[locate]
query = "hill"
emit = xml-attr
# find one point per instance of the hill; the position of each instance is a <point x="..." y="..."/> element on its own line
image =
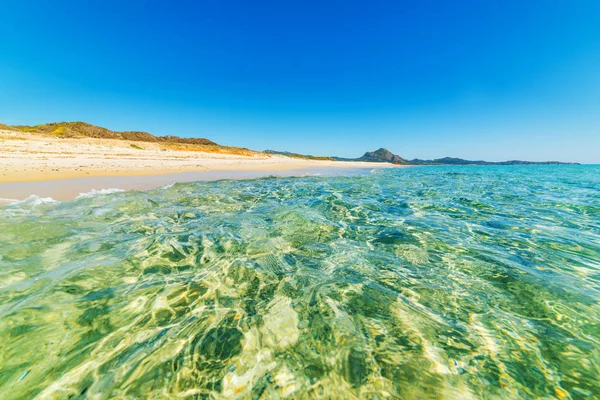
<point x="85" y="130"/>
<point x="382" y="155"/>
<point x="296" y="155"/>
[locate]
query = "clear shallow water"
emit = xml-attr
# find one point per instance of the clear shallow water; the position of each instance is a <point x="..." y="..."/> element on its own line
<point x="465" y="282"/>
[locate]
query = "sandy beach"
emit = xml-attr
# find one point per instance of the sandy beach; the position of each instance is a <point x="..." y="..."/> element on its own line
<point x="63" y="167"/>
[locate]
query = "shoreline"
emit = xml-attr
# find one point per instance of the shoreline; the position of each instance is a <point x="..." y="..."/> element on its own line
<point x="255" y="165"/>
<point x="70" y="188"/>
<point x="62" y="168"/>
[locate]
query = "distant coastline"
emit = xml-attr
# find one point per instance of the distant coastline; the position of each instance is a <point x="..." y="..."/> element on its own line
<point x="385" y="156"/>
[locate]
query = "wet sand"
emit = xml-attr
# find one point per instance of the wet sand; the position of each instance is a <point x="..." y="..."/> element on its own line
<point x="68" y="189"/>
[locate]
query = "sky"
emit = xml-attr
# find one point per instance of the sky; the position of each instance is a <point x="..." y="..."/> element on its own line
<point x="494" y="80"/>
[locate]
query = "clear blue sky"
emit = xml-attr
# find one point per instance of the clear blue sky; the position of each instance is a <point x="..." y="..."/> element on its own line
<point x="474" y="79"/>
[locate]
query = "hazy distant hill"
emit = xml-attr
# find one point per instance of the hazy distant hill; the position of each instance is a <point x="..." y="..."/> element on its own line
<point x="83" y="129"/>
<point x="460" y="161"/>
<point x="296" y="155"/>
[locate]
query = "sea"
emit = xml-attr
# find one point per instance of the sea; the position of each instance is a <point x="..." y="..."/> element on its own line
<point x="475" y="282"/>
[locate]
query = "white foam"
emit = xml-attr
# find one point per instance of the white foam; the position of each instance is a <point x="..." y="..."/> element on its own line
<point x="7" y="201"/>
<point x="34" y="200"/>
<point x="15" y="208"/>
<point x="95" y="192"/>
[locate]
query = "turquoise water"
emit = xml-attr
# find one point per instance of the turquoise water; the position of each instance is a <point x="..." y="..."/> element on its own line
<point x="433" y="282"/>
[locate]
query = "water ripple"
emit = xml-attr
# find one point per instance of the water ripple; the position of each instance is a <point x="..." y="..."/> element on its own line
<point x="474" y="282"/>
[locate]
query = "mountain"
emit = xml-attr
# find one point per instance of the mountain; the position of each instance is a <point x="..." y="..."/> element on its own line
<point x="83" y="129"/>
<point x="383" y="155"/>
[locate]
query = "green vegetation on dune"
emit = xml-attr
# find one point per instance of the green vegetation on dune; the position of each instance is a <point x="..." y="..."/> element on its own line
<point x="83" y="129"/>
<point x="296" y="155"/>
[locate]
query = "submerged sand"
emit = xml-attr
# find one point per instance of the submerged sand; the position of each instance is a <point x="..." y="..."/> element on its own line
<point x="28" y="161"/>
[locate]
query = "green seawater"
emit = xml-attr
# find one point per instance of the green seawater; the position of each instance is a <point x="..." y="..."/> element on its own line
<point x="415" y="283"/>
